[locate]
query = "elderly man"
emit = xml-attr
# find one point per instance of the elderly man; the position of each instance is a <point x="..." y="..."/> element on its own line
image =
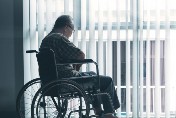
<point x="58" y="41"/>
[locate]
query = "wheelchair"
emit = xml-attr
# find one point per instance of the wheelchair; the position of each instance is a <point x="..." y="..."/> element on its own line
<point x="52" y="97"/>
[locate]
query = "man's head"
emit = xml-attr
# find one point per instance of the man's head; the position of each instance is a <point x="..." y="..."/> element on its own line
<point x="64" y="24"/>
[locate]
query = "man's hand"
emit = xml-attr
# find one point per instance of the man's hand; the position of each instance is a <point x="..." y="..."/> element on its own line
<point x="77" y="66"/>
<point x="81" y="57"/>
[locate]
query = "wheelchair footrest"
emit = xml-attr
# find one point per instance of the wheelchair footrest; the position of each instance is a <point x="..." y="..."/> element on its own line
<point x="105" y="95"/>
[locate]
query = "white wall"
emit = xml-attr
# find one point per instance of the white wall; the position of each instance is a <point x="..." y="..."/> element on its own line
<point x="11" y="55"/>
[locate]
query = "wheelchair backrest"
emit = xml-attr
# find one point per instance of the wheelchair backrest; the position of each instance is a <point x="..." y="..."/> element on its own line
<point x="47" y="65"/>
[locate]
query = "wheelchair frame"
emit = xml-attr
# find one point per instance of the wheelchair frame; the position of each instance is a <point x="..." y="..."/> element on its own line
<point x="47" y="87"/>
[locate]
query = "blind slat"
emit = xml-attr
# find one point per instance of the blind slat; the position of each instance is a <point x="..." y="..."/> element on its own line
<point x="141" y="55"/>
<point x="57" y="9"/>
<point x="26" y="41"/>
<point x="157" y="64"/>
<point x="66" y="6"/>
<point x="83" y="29"/>
<point x="148" y="74"/>
<point x="148" y="78"/>
<point x="109" y="42"/>
<point x="100" y="38"/>
<point x="167" y="61"/>
<point x="33" y="41"/>
<point x="26" y="46"/>
<point x="92" y="43"/>
<point x="49" y="17"/>
<point x="135" y="61"/>
<point x="75" y="17"/>
<point x="118" y="55"/>
<point x="128" y="77"/>
<point x="40" y="21"/>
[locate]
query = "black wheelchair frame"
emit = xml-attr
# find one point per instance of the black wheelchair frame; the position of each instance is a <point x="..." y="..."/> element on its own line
<point x="55" y="97"/>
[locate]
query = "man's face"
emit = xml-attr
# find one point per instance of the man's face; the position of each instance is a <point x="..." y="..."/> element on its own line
<point x="69" y="30"/>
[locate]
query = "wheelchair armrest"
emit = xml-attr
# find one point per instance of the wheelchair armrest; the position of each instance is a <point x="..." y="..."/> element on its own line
<point x="75" y="61"/>
<point x="85" y="61"/>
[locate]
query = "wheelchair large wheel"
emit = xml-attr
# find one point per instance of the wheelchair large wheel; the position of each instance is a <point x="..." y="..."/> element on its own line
<point x="25" y="96"/>
<point x="60" y="99"/>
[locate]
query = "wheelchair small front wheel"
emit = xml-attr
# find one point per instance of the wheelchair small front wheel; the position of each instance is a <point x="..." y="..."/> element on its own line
<point x="60" y="99"/>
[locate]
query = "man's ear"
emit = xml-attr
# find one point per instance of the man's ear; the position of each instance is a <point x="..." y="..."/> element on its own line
<point x="65" y="28"/>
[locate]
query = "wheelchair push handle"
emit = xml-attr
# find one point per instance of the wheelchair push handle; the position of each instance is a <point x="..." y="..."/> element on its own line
<point x="31" y="51"/>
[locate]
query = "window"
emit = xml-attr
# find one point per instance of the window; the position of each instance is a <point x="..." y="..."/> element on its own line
<point x="132" y="40"/>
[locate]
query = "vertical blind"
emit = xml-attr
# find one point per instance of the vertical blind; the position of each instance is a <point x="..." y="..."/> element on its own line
<point x="133" y="41"/>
